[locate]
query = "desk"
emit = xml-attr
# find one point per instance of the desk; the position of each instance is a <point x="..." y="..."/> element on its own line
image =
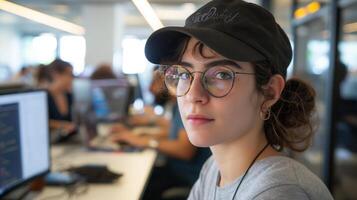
<point x="136" y="168"/>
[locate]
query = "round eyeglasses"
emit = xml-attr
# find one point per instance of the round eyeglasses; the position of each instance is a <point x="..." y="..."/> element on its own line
<point x="218" y="81"/>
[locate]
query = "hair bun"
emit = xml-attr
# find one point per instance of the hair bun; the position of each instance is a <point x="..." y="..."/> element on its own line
<point x="293" y="115"/>
<point x="298" y="98"/>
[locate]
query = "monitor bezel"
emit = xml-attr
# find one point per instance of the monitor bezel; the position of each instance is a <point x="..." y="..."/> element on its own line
<point x="29" y="179"/>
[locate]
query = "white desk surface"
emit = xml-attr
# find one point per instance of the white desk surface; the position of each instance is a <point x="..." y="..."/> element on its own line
<point x="136" y="168"/>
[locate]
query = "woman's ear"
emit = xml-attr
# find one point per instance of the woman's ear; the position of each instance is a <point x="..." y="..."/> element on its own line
<point x="273" y="90"/>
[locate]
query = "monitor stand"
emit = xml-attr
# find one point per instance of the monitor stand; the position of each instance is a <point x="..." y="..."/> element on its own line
<point x="18" y="194"/>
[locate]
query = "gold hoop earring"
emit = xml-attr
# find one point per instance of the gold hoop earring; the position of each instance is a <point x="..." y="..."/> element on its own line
<point x="265" y="115"/>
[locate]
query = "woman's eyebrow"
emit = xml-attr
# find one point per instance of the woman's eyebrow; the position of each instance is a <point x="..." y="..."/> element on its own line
<point x="185" y="64"/>
<point x="213" y="63"/>
<point x="223" y="62"/>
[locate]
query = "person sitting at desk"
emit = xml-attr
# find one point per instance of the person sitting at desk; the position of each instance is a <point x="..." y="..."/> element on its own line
<point x="184" y="160"/>
<point x="60" y="97"/>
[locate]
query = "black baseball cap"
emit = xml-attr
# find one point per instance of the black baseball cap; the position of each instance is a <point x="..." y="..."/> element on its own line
<point x="235" y="29"/>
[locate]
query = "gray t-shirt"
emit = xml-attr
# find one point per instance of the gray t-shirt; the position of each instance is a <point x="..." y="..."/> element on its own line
<point x="275" y="177"/>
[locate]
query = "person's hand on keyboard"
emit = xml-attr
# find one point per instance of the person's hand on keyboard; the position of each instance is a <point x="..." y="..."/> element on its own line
<point x="119" y="127"/>
<point x="131" y="139"/>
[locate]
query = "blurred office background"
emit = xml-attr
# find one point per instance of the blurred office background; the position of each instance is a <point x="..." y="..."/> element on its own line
<point x="87" y="33"/>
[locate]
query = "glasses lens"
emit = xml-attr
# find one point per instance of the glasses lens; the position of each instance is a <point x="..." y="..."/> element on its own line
<point x="218" y="81"/>
<point x="177" y="80"/>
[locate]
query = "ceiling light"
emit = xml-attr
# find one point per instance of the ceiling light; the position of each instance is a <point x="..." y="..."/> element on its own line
<point x="41" y="18"/>
<point x="313" y="7"/>
<point x="149" y="14"/>
<point x="300" y="13"/>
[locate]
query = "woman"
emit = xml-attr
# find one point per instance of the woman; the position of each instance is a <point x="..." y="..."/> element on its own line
<point x="183" y="160"/>
<point x="227" y="67"/>
<point x="60" y="97"/>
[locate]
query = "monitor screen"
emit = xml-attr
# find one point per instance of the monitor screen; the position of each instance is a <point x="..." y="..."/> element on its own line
<point x="110" y="98"/>
<point x="24" y="138"/>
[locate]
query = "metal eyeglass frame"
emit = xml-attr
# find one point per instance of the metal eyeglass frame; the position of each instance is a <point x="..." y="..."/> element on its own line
<point x="191" y="75"/>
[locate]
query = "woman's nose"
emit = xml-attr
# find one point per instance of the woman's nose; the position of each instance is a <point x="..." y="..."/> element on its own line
<point x="197" y="93"/>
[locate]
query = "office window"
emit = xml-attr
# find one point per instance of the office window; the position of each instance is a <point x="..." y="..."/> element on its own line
<point x="134" y="60"/>
<point x="40" y="49"/>
<point x="317" y="56"/>
<point x="73" y="49"/>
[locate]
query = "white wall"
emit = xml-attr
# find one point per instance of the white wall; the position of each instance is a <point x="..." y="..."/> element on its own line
<point x="10" y="48"/>
<point x="98" y="20"/>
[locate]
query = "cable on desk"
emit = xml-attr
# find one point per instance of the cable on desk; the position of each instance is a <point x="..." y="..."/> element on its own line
<point x="76" y="190"/>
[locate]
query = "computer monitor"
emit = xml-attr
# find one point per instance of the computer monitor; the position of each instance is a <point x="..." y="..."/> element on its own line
<point x="111" y="99"/>
<point x="24" y="138"/>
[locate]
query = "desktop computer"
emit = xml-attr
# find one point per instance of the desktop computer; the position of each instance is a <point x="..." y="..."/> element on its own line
<point x="24" y="138"/>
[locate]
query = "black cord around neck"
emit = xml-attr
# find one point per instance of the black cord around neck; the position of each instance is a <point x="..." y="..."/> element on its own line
<point x="245" y="173"/>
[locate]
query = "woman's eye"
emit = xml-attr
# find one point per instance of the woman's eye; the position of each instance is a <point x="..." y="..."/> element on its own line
<point x="184" y="76"/>
<point x="223" y="75"/>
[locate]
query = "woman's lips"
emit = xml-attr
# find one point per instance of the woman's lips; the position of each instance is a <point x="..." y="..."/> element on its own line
<point x="198" y="119"/>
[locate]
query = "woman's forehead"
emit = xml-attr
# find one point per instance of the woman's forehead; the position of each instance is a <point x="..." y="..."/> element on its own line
<point x="205" y="55"/>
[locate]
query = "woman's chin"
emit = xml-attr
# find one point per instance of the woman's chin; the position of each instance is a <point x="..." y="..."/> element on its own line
<point x="200" y="141"/>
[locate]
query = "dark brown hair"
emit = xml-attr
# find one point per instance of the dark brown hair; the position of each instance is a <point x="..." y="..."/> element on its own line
<point x="290" y="123"/>
<point x="59" y="66"/>
<point x="43" y="74"/>
<point x="103" y="71"/>
<point x="157" y="88"/>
